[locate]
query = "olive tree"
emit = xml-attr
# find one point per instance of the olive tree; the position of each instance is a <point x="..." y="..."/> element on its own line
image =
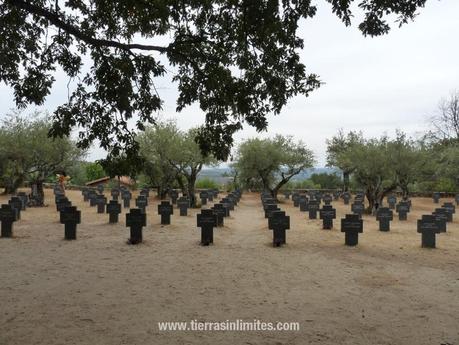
<point x="28" y="154"/>
<point x="273" y="161"/>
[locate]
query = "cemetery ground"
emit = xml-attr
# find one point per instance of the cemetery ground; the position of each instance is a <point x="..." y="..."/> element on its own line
<point x="100" y="290"/>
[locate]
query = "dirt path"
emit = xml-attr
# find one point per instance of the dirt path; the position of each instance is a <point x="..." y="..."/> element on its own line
<point x="99" y="290"/>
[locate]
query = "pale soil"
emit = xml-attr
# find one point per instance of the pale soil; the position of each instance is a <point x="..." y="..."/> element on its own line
<point x="99" y="290"/>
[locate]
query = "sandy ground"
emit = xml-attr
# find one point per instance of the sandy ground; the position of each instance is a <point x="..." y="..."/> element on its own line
<point x="99" y="290"/>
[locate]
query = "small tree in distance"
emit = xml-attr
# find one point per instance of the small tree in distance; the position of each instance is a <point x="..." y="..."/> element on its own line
<point x="272" y="162"/>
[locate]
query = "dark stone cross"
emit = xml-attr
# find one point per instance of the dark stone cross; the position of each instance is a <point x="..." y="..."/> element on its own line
<point x="403" y="208"/>
<point x="207" y="220"/>
<point x="136" y="220"/>
<point x="70" y="217"/>
<point x="220" y="211"/>
<point x="304" y="203"/>
<point x="165" y="209"/>
<point x="85" y="192"/>
<point x="113" y="209"/>
<point x="126" y="196"/>
<point x="115" y="193"/>
<point x="8" y="215"/>
<point x="384" y="215"/>
<point x="141" y="202"/>
<point x="451" y="210"/>
<point x="352" y="225"/>
<point x="100" y="188"/>
<point x="358" y="207"/>
<point x="204" y="196"/>
<point x="145" y="191"/>
<point x="313" y="208"/>
<point x="92" y="196"/>
<point x="269" y="209"/>
<point x="327" y="214"/>
<point x="62" y="203"/>
<point x="183" y="204"/>
<point x="441" y="215"/>
<point x="279" y="223"/>
<point x="428" y="227"/>
<point x="226" y="206"/>
<point x="436" y="197"/>
<point x="24" y="198"/>
<point x="101" y="200"/>
<point x="392" y="201"/>
<point x="229" y="201"/>
<point x="16" y="203"/>
<point x="346" y="198"/>
<point x="296" y="199"/>
<point x="327" y="199"/>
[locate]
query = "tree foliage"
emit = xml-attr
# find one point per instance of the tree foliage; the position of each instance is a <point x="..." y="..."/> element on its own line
<point x="238" y="59"/>
<point x="272" y="162"/>
<point x="337" y="149"/>
<point x="94" y="171"/>
<point x="28" y="154"/>
<point x="173" y="155"/>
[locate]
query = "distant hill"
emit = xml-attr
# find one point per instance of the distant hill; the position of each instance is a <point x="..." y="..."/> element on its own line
<point x="217" y="174"/>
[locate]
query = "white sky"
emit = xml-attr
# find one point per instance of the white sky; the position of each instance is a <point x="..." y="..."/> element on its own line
<point x="375" y="85"/>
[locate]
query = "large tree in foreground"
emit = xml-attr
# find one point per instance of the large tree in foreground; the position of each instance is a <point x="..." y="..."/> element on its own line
<point x="238" y="59"/>
<point x="273" y="162"/>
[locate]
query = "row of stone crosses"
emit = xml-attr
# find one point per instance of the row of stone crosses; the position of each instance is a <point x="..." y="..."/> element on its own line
<point x="136" y="219"/>
<point x="352" y="224"/>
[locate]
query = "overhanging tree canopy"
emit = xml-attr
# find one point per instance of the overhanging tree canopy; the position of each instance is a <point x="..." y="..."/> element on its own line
<point x="238" y="59"/>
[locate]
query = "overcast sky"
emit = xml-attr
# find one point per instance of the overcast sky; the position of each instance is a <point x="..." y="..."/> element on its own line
<point x="375" y="85"/>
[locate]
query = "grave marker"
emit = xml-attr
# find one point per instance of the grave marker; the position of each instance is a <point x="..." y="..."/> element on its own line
<point x="70" y="217"/>
<point x="403" y="208"/>
<point x="384" y="215"/>
<point x="183" y="205"/>
<point x="441" y="217"/>
<point x="207" y="220"/>
<point x="101" y="200"/>
<point x="327" y="214"/>
<point x="16" y="203"/>
<point x="327" y="199"/>
<point x="313" y="208"/>
<point x="165" y="209"/>
<point x="304" y="203"/>
<point x="392" y="201"/>
<point x="352" y="225"/>
<point x="428" y="227"/>
<point x="279" y="223"/>
<point x="358" y="208"/>
<point x="220" y="211"/>
<point x="436" y="197"/>
<point x="141" y="202"/>
<point x="8" y="215"/>
<point x="203" y="195"/>
<point x="136" y="220"/>
<point x="113" y="209"/>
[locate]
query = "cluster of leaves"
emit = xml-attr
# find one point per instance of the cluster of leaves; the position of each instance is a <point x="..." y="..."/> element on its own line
<point x="238" y="59"/>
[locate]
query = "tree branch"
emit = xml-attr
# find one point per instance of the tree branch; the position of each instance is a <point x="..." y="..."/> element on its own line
<point x="56" y="21"/>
